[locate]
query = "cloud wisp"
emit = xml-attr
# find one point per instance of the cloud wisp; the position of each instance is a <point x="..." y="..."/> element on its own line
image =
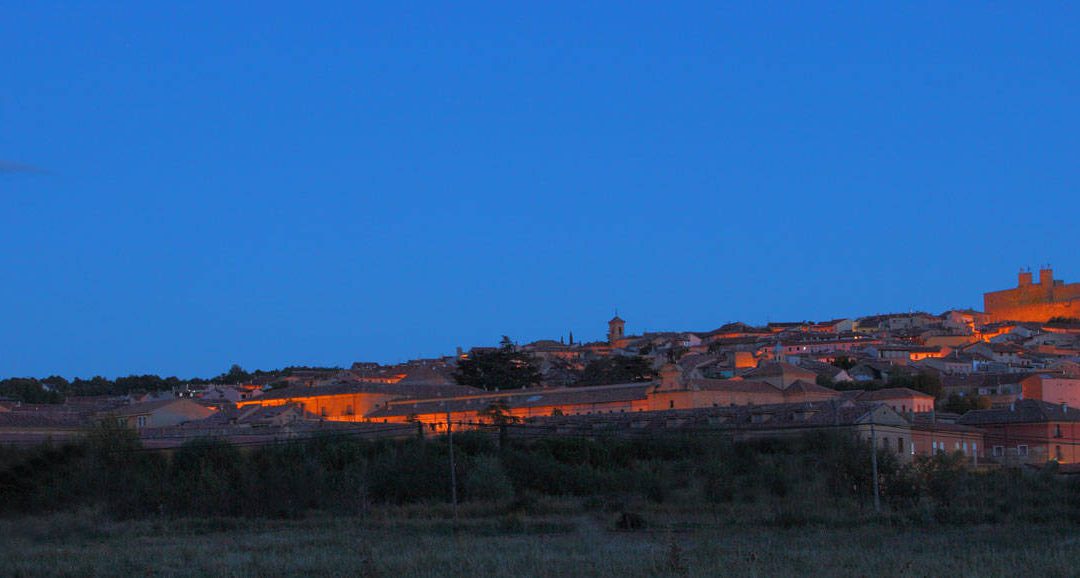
<point x="9" y="167"/>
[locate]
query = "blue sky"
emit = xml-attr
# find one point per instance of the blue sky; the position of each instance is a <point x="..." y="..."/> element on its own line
<point x="183" y="187"/>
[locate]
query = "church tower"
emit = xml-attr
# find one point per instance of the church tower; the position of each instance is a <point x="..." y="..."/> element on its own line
<point x="616" y="329"/>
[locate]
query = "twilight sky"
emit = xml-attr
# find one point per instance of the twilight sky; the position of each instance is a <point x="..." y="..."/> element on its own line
<point x="188" y="186"/>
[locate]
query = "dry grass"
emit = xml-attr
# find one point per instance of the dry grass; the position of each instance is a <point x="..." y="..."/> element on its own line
<point x="423" y="542"/>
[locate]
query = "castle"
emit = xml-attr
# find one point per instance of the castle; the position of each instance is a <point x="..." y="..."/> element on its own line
<point x="1031" y="301"/>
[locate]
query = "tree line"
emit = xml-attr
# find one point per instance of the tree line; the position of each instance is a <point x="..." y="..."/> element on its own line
<point x="818" y="479"/>
<point x="54" y="389"/>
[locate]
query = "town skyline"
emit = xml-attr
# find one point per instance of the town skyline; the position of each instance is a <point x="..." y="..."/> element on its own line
<point x="594" y="332"/>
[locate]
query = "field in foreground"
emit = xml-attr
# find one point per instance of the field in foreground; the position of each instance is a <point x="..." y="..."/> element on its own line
<point x="410" y="543"/>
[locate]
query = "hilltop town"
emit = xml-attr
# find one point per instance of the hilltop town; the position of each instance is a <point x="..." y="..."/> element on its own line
<point x="995" y="386"/>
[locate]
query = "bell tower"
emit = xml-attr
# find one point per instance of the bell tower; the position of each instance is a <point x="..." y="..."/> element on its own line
<point x="616" y="329"/>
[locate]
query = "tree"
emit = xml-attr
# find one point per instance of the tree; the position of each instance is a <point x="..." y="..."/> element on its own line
<point x="28" y="390"/>
<point x="236" y="374"/>
<point x="927" y="383"/>
<point x="503" y="368"/>
<point x="497" y="413"/>
<point x="56" y="383"/>
<point x="963" y="404"/>
<point x="617" y="369"/>
<point x="844" y="362"/>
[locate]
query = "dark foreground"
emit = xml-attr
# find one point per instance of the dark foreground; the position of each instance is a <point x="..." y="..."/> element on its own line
<point x="422" y="542"/>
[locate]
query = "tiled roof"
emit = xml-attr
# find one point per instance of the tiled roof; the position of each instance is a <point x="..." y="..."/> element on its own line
<point x="1023" y="411"/>
<point x="733" y="385"/>
<point x="809" y="387"/>
<point x="533" y="397"/>
<point x="886" y="393"/>
<point x="403" y="390"/>
<point x="982" y="379"/>
<point x="147" y="407"/>
<point x="775" y="368"/>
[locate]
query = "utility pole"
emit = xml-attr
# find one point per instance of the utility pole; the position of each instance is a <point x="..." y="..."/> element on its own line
<point x="873" y="464"/>
<point x="453" y="470"/>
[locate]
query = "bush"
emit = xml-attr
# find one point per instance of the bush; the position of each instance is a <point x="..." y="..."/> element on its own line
<point x="814" y="479"/>
<point x="486" y="480"/>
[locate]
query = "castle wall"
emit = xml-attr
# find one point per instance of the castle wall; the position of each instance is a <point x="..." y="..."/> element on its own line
<point x="1034" y="302"/>
<point x="1039" y="312"/>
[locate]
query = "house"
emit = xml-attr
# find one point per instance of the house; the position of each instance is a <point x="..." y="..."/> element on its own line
<point x="257" y="416"/>
<point x="825" y="370"/>
<point x="876" y="370"/>
<point x="903" y="353"/>
<point x="931" y="436"/>
<point x="231" y="394"/>
<point x="1029" y="431"/>
<point x="901" y="399"/>
<point x="1006" y="353"/>
<point x="1000" y="388"/>
<point x="954" y="363"/>
<point x="163" y="413"/>
<point x="1052" y="388"/>
<point x="834" y="326"/>
<point x="945" y="340"/>
<point x="965" y="319"/>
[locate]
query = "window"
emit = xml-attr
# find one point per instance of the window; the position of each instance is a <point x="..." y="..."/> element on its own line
<point x="899" y="445"/>
<point x="671" y="404"/>
<point x="1058" y="454"/>
<point x="140" y="421"/>
<point x="324" y="412"/>
<point x="1022" y="451"/>
<point x="998" y="451"/>
<point x="348" y="410"/>
<point x="1057" y="430"/>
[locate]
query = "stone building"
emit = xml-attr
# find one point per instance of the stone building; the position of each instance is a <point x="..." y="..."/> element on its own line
<point x="1030" y="301"/>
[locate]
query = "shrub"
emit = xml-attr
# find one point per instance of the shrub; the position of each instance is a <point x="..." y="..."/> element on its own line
<point x="486" y="480"/>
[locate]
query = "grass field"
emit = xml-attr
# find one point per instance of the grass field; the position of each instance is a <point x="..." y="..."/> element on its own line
<point x="564" y="541"/>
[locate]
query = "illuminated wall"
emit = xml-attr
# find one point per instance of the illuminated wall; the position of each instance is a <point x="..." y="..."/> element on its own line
<point x="341" y="407"/>
<point x="1031" y="301"/>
